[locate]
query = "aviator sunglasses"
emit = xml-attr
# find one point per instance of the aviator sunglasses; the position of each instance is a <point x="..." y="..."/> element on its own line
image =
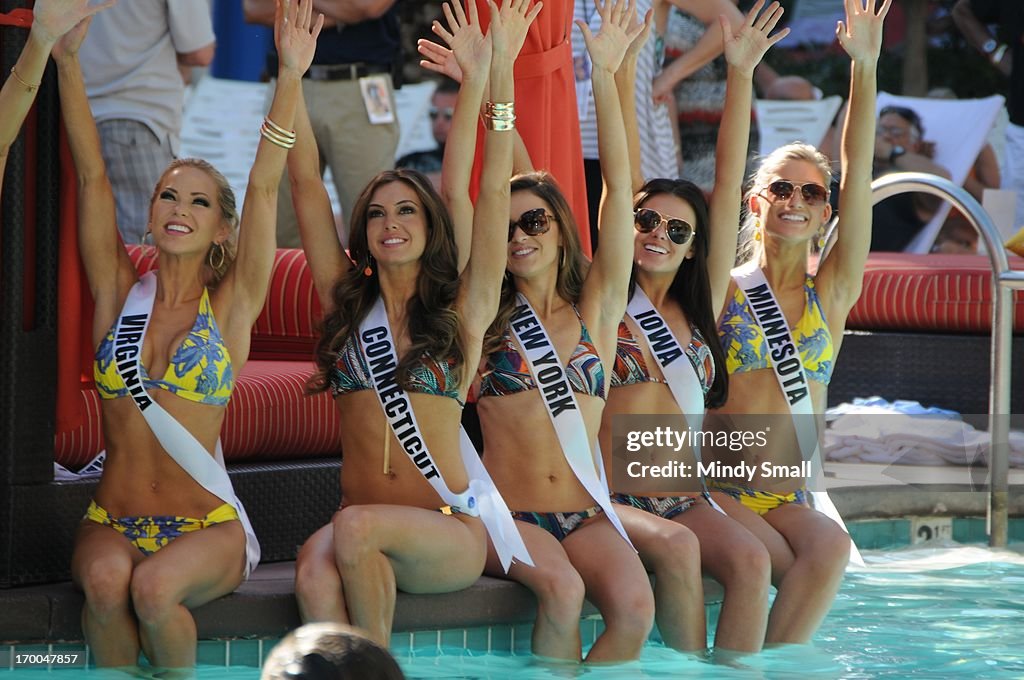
<point x="532" y="222"/>
<point x="813" y="194"/>
<point x="647" y="220"/>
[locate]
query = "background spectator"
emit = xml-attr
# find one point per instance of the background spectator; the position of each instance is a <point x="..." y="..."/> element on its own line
<point x="442" y="108"/>
<point x="900" y="147"/>
<point x="130" y="61"/>
<point x="355" y="58"/>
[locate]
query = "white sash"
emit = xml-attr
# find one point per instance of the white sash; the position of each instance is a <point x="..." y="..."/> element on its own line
<point x="793" y="380"/>
<point x="481" y="499"/>
<point x="549" y="374"/>
<point x="681" y="376"/>
<point x="180" y="444"/>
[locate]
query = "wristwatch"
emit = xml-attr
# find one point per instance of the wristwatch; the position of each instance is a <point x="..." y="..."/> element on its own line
<point x="990" y="46"/>
<point x="896" y="152"/>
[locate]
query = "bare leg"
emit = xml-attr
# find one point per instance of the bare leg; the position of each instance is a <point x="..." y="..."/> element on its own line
<point x="674" y="558"/>
<point x="194" y="569"/>
<point x="317" y="581"/>
<point x="379" y="548"/>
<point x="806" y="593"/>
<point x="558" y="588"/>
<point x="739" y="561"/>
<point x="102" y="568"/>
<point x="617" y="584"/>
<point x="779" y="550"/>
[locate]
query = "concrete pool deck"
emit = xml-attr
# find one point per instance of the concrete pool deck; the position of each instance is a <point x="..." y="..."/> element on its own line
<point x="265" y="606"/>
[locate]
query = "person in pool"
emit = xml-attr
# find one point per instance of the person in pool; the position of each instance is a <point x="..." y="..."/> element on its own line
<point x="788" y="206"/>
<point x="421" y="286"/>
<point x="683" y="253"/>
<point x="164" y="532"/>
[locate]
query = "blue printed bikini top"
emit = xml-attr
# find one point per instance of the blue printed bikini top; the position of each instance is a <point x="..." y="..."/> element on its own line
<point x="631" y="368"/>
<point x="507" y="371"/>
<point x="351" y="374"/>
<point x="199" y="371"/>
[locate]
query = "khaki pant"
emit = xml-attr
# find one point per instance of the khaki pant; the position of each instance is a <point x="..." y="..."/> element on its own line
<point x="349" y="144"/>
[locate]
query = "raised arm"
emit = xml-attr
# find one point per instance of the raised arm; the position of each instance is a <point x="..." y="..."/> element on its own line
<point x="743" y="52"/>
<point x="109" y="271"/>
<point x="840" y="276"/>
<point x="50" y="20"/>
<point x="295" y="34"/>
<point x="603" y="299"/>
<point x="625" y="83"/>
<point x="707" y="48"/>
<point x="472" y="54"/>
<point x="481" y="283"/>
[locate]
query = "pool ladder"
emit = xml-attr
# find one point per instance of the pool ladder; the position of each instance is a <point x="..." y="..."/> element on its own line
<point x="1004" y="282"/>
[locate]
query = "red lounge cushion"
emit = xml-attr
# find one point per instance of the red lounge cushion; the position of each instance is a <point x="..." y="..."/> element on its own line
<point x="268" y="418"/>
<point x="949" y="293"/>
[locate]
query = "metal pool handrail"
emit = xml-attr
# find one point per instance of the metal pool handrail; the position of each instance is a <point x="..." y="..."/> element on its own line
<point x="1004" y="282"/>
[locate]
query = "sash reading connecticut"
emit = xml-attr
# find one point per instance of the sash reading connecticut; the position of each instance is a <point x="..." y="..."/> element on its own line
<point x="792" y="377"/>
<point x="481" y="499"/>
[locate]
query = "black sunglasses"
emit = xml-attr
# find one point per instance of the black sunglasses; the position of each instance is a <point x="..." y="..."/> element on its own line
<point x="813" y="194"/>
<point x="647" y="220"/>
<point x="532" y="222"/>
<point x="448" y="113"/>
<point x="906" y="114"/>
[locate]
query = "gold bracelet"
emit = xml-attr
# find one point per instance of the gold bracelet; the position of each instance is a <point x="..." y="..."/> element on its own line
<point x="278" y="129"/>
<point x="275" y="138"/>
<point x="30" y="86"/>
<point x="499" y="124"/>
<point x="500" y="110"/>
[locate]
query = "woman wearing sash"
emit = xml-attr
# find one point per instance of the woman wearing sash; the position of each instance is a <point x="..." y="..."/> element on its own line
<point x="51" y="19"/>
<point x="539" y="425"/>
<point x="683" y="255"/>
<point x="405" y="521"/>
<point x="788" y="207"/>
<point x="164" y="532"/>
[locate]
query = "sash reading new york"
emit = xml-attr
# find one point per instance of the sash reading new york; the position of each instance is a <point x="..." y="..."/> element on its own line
<point x="549" y="369"/>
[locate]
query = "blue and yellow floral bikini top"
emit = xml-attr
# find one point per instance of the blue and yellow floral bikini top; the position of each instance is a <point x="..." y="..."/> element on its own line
<point x="199" y="371"/>
<point x="631" y="368"/>
<point x="351" y="374"/>
<point x="507" y="371"/>
<point x="746" y="349"/>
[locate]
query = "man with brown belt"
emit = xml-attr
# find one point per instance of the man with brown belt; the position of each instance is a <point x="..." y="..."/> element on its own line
<point x="349" y="93"/>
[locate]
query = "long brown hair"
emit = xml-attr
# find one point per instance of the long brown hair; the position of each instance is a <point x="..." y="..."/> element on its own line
<point x="572" y="264"/>
<point x="432" y="321"/>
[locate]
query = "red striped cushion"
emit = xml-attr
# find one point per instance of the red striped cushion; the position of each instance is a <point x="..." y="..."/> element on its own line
<point x="951" y="293"/>
<point x="268" y="418"/>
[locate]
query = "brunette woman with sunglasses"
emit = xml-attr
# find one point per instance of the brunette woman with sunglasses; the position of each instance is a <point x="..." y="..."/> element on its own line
<point x="543" y="386"/>
<point x="682" y="259"/>
<point x="404" y="320"/>
<point x="779" y="372"/>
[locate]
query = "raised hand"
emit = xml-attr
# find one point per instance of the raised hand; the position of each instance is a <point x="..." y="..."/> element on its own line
<point x="641" y="39"/>
<point x="53" y="18"/>
<point x="510" y="24"/>
<point x="745" y="50"/>
<point x="438" y="59"/>
<point x="67" y="45"/>
<point x="618" y="30"/>
<point x="470" y="49"/>
<point x="295" y="34"/>
<point x="861" y="34"/>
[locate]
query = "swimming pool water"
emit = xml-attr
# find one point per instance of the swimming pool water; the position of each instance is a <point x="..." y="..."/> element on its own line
<point x="948" y="612"/>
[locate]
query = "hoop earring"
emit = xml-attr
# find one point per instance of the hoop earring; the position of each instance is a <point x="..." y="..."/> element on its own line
<point x="561" y="262"/>
<point x="149" y="249"/>
<point x="217" y="248"/>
